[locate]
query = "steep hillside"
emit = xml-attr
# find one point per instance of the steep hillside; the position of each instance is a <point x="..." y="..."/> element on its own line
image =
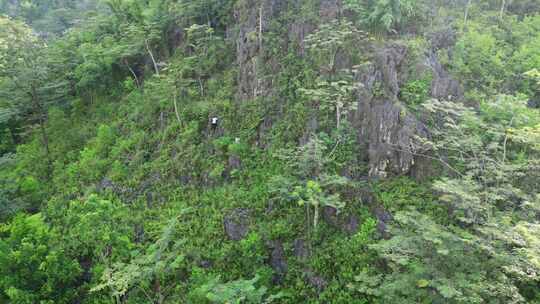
<point x="270" y="151"/>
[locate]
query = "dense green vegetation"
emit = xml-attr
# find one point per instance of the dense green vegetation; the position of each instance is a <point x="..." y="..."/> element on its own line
<point x="116" y="185"/>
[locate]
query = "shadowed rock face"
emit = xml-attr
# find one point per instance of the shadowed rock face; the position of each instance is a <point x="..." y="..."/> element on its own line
<point x="385" y="129"/>
<point x="253" y="20"/>
<point x="301" y="249"/>
<point x="236" y="224"/>
<point x="383" y="219"/>
<point x="443" y="85"/>
<point x="348" y="223"/>
<point x="442" y="39"/>
<point x="278" y="260"/>
<point x="351" y="224"/>
<point x="316" y="281"/>
<point x="330" y="9"/>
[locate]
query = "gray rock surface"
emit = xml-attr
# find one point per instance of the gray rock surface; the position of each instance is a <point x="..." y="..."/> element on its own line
<point x="350" y="224"/>
<point x="385" y="128"/>
<point x="383" y="219"/>
<point x="443" y="86"/>
<point x="236" y="224"/>
<point x="316" y="281"/>
<point x="301" y="249"/>
<point x="278" y="261"/>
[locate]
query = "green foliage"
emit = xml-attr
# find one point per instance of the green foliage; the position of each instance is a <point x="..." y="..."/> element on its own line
<point x="239" y="291"/>
<point x="31" y="270"/>
<point x="490" y="56"/>
<point x="329" y="39"/>
<point x="310" y="186"/>
<point x="334" y="95"/>
<point x="48" y="16"/>
<point x="406" y="194"/>
<point x="114" y="186"/>
<point x="156" y="264"/>
<point x="214" y="12"/>
<point x="480" y="58"/>
<point x="92" y="228"/>
<point x="385" y="15"/>
<point x="483" y="155"/>
<point x="345" y="260"/>
<point x="416" y="91"/>
<point x="333" y="89"/>
<point x="534" y="74"/>
<point x="435" y="263"/>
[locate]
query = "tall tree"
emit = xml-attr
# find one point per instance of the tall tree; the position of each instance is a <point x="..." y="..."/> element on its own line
<point x="28" y="84"/>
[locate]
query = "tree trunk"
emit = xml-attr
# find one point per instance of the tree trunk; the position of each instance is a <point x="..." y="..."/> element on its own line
<point x="14" y="133"/>
<point x="39" y="108"/>
<point x="260" y="27"/>
<point x="152" y="57"/>
<point x="176" y="109"/>
<point x="315" y="217"/>
<point x="338" y="116"/>
<point x="132" y="73"/>
<point x="466" y="13"/>
<point x="503" y="5"/>
<point x="200" y="85"/>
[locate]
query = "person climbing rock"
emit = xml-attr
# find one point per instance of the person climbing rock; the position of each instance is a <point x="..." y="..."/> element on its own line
<point x="214" y="122"/>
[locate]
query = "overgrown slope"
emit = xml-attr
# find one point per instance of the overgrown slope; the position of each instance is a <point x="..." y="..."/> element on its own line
<point x="270" y="151"/>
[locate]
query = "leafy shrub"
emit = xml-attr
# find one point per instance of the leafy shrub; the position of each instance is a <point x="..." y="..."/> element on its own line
<point x="416" y="91"/>
<point x="32" y="270"/>
<point x="212" y="290"/>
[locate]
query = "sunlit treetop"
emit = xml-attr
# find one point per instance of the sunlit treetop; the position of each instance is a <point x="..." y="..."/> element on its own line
<point x="15" y="36"/>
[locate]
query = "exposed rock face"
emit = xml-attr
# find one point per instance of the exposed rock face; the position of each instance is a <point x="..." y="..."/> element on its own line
<point x="443" y="39"/>
<point x="329" y="215"/>
<point x="278" y="261"/>
<point x="253" y="20"/>
<point x="234" y="162"/>
<point x="330" y="9"/>
<point x="383" y="218"/>
<point x="386" y="130"/>
<point x="139" y="233"/>
<point x="443" y="86"/>
<point x="316" y="281"/>
<point x="298" y="31"/>
<point x="236" y="224"/>
<point x="301" y="250"/>
<point x="106" y="185"/>
<point x="348" y="223"/>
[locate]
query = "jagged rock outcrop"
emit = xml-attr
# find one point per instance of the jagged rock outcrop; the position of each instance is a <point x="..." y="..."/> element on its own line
<point x="330" y="9"/>
<point x="236" y="224"/>
<point x="316" y="281"/>
<point x="385" y="128"/>
<point x="253" y="19"/>
<point x="383" y="219"/>
<point x="301" y="250"/>
<point x="348" y="223"/>
<point x="443" y="86"/>
<point x="277" y="260"/>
